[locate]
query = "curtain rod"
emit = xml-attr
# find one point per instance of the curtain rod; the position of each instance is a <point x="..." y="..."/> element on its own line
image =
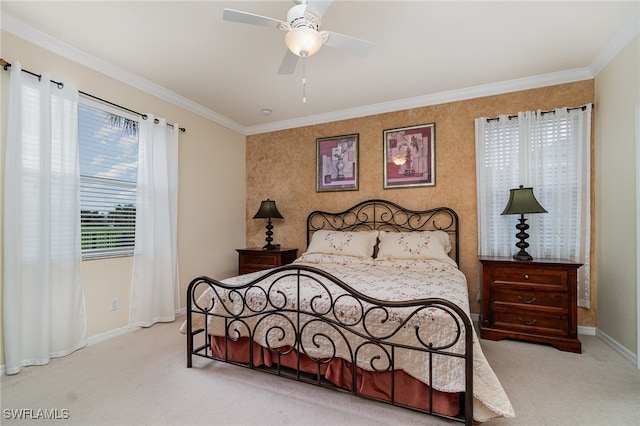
<point x="583" y="107"/>
<point x="4" y="64"/>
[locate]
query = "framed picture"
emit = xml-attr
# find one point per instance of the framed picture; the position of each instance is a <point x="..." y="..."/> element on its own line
<point x="409" y="156"/>
<point x="337" y="163"/>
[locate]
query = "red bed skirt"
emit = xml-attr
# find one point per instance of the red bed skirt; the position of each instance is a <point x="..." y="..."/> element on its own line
<point x="408" y="390"/>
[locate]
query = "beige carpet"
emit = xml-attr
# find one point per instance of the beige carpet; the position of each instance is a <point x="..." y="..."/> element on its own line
<point x="141" y="379"/>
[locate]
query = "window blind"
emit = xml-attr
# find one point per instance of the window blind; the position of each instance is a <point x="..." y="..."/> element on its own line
<point x="108" y="173"/>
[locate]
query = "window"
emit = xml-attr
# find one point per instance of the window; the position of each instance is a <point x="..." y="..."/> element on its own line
<point x="549" y="151"/>
<point x="108" y="174"/>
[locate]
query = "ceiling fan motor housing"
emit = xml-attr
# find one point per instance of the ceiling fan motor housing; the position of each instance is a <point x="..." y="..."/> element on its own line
<point x="298" y="16"/>
<point x="303" y="38"/>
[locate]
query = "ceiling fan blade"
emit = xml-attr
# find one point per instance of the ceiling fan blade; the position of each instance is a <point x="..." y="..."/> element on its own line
<point x="318" y="7"/>
<point x="289" y="62"/>
<point x="251" y="18"/>
<point x="350" y="44"/>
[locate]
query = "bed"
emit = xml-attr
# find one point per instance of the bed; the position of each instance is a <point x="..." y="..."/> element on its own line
<point x="376" y="307"/>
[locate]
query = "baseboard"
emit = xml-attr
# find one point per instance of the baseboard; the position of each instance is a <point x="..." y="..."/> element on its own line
<point x="98" y="338"/>
<point x="123" y="330"/>
<point x="593" y="331"/>
<point x="587" y="331"/>
<point x="626" y="353"/>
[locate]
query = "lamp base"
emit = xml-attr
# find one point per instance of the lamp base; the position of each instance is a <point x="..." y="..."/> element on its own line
<point x="269" y="233"/>
<point x="522" y="255"/>
<point x="522" y="235"/>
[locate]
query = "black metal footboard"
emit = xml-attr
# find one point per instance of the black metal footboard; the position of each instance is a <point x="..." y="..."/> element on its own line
<point x="301" y="311"/>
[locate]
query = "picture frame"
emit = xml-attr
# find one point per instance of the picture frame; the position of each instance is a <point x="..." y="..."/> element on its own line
<point x="409" y="156"/>
<point x="337" y="163"/>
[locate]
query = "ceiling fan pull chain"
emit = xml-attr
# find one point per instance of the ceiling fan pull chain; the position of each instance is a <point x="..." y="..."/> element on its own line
<point x="304" y="82"/>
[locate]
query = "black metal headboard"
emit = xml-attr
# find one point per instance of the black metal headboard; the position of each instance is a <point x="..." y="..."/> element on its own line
<point x="387" y="216"/>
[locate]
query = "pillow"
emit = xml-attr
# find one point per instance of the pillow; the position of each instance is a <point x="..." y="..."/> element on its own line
<point x="414" y="245"/>
<point x="358" y="244"/>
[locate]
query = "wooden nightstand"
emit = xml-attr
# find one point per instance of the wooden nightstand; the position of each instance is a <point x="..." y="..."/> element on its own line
<point x="530" y="300"/>
<point x="256" y="259"/>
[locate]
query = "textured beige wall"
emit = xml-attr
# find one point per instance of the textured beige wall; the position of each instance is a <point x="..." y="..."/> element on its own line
<point x="281" y="166"/>
<point x="211" y="199"/>
<point x="617" y="90"/>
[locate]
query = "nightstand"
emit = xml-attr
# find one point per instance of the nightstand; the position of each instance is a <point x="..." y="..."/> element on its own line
<point x="257" y="259"/>
<point x="534" y="301"/>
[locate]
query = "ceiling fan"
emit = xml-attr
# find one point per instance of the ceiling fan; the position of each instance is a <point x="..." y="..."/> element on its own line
<point x="303" y="37"/>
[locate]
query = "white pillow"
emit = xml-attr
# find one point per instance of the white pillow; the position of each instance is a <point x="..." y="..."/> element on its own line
<point x="358" y="244"/>
<point x="414" y="245"/>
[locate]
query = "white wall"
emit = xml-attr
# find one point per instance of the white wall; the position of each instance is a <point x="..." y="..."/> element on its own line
<point x="211" y="199"/>
<point x="617" y="89"/>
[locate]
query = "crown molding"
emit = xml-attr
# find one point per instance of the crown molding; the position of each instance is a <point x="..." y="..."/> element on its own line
<point x="508" y="86"/>
<point x="65" y="50"/>
<point x="623" y="37"/>
<point x="39" y="38"/>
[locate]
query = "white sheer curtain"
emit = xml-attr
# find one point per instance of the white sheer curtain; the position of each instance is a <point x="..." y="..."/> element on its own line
<point x="43" y="302"/>
<point x="551" y="153"/>
<point x="154" y="286"/>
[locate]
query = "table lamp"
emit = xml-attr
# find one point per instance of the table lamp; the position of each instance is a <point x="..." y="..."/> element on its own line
<point x="522" y="201"/>
<point x="268" y="210"/>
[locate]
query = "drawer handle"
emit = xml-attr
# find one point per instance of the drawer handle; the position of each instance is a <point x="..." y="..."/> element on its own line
<point x="526" y="276"/>
<point x="533" y="299"/>
<point x="533" y="321"/>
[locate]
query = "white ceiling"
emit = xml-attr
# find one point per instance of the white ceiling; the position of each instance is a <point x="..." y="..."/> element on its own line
<point x="425" y="52"/>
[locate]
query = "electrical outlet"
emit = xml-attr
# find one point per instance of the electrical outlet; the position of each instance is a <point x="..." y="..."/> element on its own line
<point x="114" y="304"/>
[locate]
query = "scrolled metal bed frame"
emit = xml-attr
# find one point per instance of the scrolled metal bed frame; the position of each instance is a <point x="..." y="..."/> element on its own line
<point x="293" y="318"/>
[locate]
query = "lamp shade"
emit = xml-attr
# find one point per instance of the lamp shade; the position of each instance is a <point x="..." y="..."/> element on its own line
<point x="268" y="210"/>
<point x="522" y="201"/>
<point x="303" y="41"/>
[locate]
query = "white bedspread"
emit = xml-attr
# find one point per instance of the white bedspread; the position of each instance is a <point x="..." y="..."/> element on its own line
<point x="389" y="280"/>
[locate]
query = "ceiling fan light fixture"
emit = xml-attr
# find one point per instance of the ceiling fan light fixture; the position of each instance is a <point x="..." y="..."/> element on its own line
<point x="303" y="41"/>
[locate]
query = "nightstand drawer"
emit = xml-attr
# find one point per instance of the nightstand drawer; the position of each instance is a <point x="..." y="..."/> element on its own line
<point x="545" y="300"/>
<point x="260" y="262"/>
<point x="531" y="322"/>
<point x="256" y="259"/>
<point x="540" y="278"/>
